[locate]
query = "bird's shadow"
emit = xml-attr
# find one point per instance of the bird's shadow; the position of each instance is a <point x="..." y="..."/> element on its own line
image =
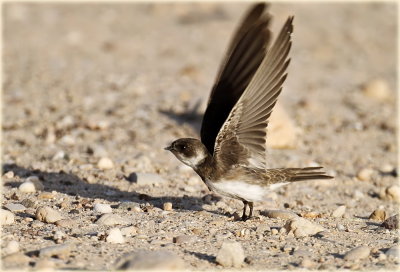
<point x="191" y="116"/>
<point x="72" y="185"/>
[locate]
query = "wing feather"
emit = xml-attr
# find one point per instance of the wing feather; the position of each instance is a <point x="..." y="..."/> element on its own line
<point x="244" y="131"/>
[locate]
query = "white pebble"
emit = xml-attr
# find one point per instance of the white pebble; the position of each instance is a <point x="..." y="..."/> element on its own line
<point x="6" y="217"/>
<point x="105" y="163"/>
<point x="365" y="174"/>
<point x="339" y="212"/>
<point x="15" y="207"/>
<point x="9" y="174"/>
<point x="115" y="236"/>
<point x="302" y="227"/>
<point x="357" y="253"/>
<point x="282" y="214"/>
<point x="47" y="215"/>
<point x="393" y="193"/>
<point x="12" y="247"/>
<point x="27" y="187"/>
<point x="231" y="254"/>
<point x="102" y="208"/>
<point x="377" y="89"/>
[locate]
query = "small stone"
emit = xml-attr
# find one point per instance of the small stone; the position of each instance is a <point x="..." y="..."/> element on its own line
<point x="393" y="252"/>
<point x="149" y="260"/>
<point x="47" y="214"/>
<point x="59" y="236"/>
<point x="109" y="219"/>
<point x="365" y="174"/>
<point x="392" y="222"/>
<point x="46" y="195"/>
<point x="307" y="263"/>
<point x="16" y="259"/>
<point x="357" y="253"/>
<point x="9" y="175"/>
<point x="102" y="208"/>
<point x="60" y="251"/>
<point x="340" y="227"/>
<point x="282" y="214"/>
<point x="167" y="206"/>
<point x="66" y="223"/>
<point x="184" y="239"/>
<point x="393" y="193"/>
<point x="27" y="187"/>
<point x="274" y="231"/>
<point x="28" y="203"/>
<point x="377" y="89"/>
<point x="146" y="179"/>
<point x="11" y="247"/>
<point x="6" y="217"/>
<point x="339" y="212"/>
<point x="129" y="231"/>
<point x="130" y="206"/>
<point x="302" y="227"/>
<point x="15" y="207"/>
<point x="115" y="236"/>
<point x="36" y="182"/>
<point x="378" y="215"/>
<point x="231" y="254"/>
<point x="105" y="163"/>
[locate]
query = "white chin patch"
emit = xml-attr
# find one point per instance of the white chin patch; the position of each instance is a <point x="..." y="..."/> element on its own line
<point x="192" y="161"/>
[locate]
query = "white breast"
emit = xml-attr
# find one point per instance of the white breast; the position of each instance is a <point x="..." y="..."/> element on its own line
<point x="240" y="189"/>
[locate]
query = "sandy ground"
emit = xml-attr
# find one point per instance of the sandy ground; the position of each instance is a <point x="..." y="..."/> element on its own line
<point x="86" y="81"/>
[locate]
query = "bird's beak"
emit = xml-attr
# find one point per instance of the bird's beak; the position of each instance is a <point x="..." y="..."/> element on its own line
<point x="169" y="148"/>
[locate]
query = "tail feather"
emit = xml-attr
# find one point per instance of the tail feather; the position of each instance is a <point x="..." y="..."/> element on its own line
<point x="297" y="174"/>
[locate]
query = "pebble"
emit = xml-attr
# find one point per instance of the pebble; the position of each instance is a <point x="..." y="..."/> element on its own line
<point x="377" y="89"/>
<point x="378" y="215"/>
<point x="145" y="260"/>
<point x="274" y="231"/>
<point x="393" y="252"/>
<point x="47" y="214"/>
<point x="167" y="206"/>
<point x="184" y="239"/>
<point x="393" y="193"/>
<point x="102" y="208"/>
<point x="231" y="254"/>
<point x="282" y="214"/>
<point x="9" y="175"/>
<point x="11" y="247"/>
<point x="392" y="222"/>
<point x="59" y="236"/>
<point x="146" y="178"/>
<point x="15" y="207"/>
<point x="27" y="187"/>
<point x="130" y="206"/>
<point x="6" y="217"/>
<point x="302" y="227"/>
<point x="307" y="263"/>
<point x="46" y="195"/>
<point x="60" y="251"/>
<point x="28" y="203"/>
<point x="115" y="236"/>
<point x="340" y="227"/>
<point x="129" y="231"/>
<point x="66" y="223"/>
<point x="339" y="212"/>
<point x="105" y="163"/>
<point x="365" y="174"/>
<point x="16" y="259"/>
<point x="110" y="219"/>
<point x="357" y="253"/>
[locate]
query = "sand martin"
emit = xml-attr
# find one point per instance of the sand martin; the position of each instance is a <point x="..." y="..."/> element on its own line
<point x="231" y="156"/>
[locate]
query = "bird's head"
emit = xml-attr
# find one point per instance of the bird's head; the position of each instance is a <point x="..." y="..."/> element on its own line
<point x="190" y="151"/>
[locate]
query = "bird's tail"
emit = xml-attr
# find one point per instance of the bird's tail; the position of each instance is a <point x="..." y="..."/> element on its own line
<point x="297" y="174"/>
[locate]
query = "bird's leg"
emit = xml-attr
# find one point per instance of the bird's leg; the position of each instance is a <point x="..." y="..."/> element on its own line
<point x="251" y="209"/>
<point x="244" y="218"/>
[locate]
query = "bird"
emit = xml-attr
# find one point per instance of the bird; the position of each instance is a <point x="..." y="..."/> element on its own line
<point x="231" y="156"/>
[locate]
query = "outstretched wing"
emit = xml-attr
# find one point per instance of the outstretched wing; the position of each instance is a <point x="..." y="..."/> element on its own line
<point x="244" y="55"/>
<point x="243" y="136"/>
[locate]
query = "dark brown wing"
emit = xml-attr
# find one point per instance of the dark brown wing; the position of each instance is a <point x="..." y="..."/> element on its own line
<point x="243" y="57"/>
<point x="243" y="135"/>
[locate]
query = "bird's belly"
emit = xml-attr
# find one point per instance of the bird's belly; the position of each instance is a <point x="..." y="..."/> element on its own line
<point x="239" y="190"/>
